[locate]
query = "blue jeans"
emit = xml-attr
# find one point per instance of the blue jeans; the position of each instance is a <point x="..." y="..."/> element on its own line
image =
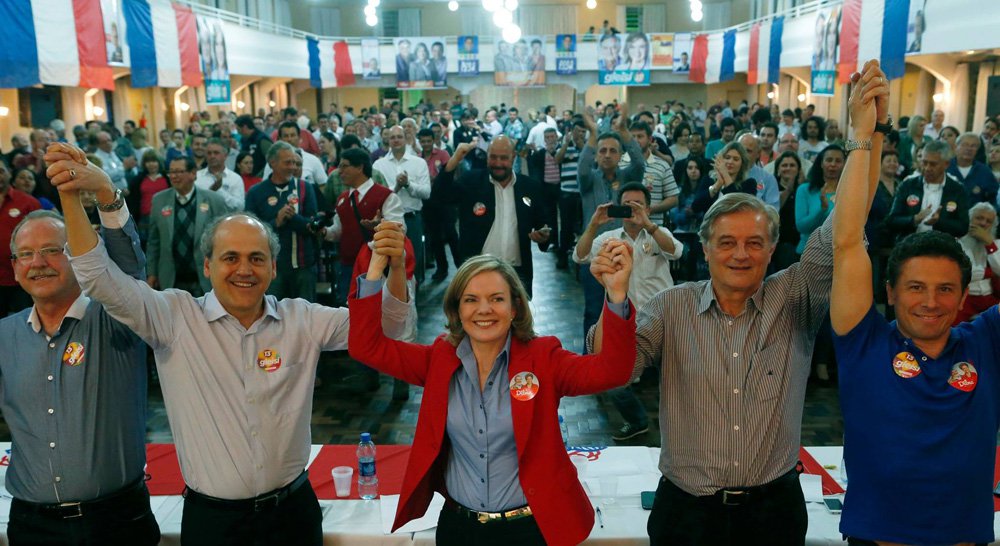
<point x="628" y="404"/>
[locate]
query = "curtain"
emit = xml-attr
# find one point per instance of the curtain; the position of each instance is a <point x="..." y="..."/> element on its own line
<point x="325" y="21"/>
<point x="654" y="17"/>
<point x="409" y="22"/>
<point x="560" y="19"/>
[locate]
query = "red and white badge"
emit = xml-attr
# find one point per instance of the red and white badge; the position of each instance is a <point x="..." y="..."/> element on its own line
<point x="14" y="213"/>
<point x="905" y="365"/>
<point x="964" y="377"/>
<point x="203" y="207"/>
<point x="479" y="209"/>
<point x="272" y="201"/>
<point x="524" y="386"/>
<point x="269" y="360"/>
<point x="73" y="355"/>
<point x="951" y="206"/>
<point x="293" y="200"/>
<point x="167" y="211"/>
<point x="912" y="200"/>
<point x="760" y="186"/>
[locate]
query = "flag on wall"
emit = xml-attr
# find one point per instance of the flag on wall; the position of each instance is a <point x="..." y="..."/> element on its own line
<point x="54" y="42"/>
<point x="873" y="29"/>
<point x="163" y="44"/>
<point x="765" y="51"/>
<point x="713" y="57"/>
<point x="329" y="63"/>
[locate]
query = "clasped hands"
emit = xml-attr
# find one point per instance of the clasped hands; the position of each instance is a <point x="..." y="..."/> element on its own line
<point x="388" y="248"/>
<point x="612" y="266"/>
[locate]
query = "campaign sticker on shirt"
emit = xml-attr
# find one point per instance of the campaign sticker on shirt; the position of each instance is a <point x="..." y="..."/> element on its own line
<point x="272" y="201"/>
<point x="340" y="202"/>
<point x="293" y="200"/>
<point x="905" y="365"/>
<point x="647" y="248"/>
<point x="912" y="200"/>
<point x="479" y="209"/>
<point x="524" y="386"/>
<point x="977" y="190"/>
<point x="527" y="200"/>
<point x="963" y="377"/>
<point x="14" y="213"/>
<point x="269" y="360"/>
<point x="615" y="185"/>
<point x="167" y="211"/>
<point x="437" y="163"/>
<point x="951" y="206"/>
<point x="760" y="186"/>
<point x="73" y="355"/>
<point x="203" y="207"/>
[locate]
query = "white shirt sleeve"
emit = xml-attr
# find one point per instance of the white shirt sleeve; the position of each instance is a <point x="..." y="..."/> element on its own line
<point x="392" y="210"/>
<point x="116" y="219"/>
<point x="419" y="181"/>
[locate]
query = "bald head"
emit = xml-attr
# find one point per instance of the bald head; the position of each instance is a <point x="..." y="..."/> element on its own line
<point x="500" y="159"/>
<point x="750" y="144"/>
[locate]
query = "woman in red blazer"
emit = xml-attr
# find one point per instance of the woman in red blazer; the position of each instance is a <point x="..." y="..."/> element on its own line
<point x="491" y="396"/>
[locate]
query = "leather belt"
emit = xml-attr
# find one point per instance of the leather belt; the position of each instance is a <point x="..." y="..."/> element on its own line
<point x="69" y="510"/>
<point x="488" y="517"/>
<point x="260" y="503"/>
<point x="744" y="495"/>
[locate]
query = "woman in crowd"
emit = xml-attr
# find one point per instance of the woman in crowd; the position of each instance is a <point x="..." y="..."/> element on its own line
<point x="910" y="139"/>
<point x="329" y="151"/>
<point x="474" y="419"/>
<point x="985" y="265"/>
<point x="729" y="176"/>
<point x="993" y="158"/>
<point x="24" y="180"/>
<point x="150" y="180"/>
<point x="681" y="133"/>
<point x="244" y="168"/>
<point x="876" y="230"/>
<point x="950" y="135"/>
<point x="788" y="169"/>
<point x="686" y="221"/>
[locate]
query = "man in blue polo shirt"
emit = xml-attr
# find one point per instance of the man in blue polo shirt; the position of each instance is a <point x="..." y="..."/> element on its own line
<point x="919" y="398"/>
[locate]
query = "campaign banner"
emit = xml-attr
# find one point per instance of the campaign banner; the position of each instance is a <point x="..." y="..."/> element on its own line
<point x="113" y="32"/>
<point x="214" y="62"/>
<point x="824" y="61"/>
<point x="682" y="53"/>
<point x="662" y="50"/>
<point x="623" y="61"/>
<point x="566" y="54"/>
<point x="421" y="63"/>
<point x="370" y="67"/>
<point x="468" y="55"/>
<point x="521" y="64"/>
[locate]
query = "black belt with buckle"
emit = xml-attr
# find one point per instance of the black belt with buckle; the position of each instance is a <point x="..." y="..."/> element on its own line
<point x="68" y="510"/>
<point x="260" y="503"/>
<point x="739" y="496"/>
<point x="488" y="517"/>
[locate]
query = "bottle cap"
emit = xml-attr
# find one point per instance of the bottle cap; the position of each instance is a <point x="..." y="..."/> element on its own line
<point x="560" y="418"/>
<point x="366" y="437"/>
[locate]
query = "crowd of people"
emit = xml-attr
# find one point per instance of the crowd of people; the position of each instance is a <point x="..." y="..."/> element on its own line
<point x="756" y="213"/>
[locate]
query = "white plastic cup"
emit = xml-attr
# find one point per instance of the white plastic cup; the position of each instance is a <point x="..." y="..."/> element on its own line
<point x="609" y="488"/>
<point x="342" y="480"/>
<point x="580" y="462"/>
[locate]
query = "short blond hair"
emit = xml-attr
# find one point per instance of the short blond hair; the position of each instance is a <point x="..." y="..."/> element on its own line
<point x="522" y="326"/>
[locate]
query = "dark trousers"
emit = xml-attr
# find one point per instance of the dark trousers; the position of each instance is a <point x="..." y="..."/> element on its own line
<point x="454" y="529"/>
<point x="415" y="233"/>
<point x="13" y="299"/>
<point x="123" y="519"/>
<point x="774" y="517"/>
<point x="593" y="299"/>
<point x="570" y="219"/>
<point x="440" y="222"/>
<point x="296" y="520"/>
<point x="550" y="209"/>
<point x="295" y="283"/>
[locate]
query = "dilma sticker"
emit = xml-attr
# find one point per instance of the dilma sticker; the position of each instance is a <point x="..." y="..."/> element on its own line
<point x="905" y="365"/>
<point x="524" y="386"/>
<point x="73" y="355"/>
<point x="912" y="200"/>
<point x="269" y="360"/>
<point x="479" y="209"/>
<point x="963" y="377"/>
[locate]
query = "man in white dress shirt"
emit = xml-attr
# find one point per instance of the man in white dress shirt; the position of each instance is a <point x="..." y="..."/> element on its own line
<point x="407" y="175"/>
<point x="218" y="178"/>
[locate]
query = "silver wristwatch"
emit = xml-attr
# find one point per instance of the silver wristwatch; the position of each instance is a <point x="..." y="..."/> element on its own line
<point x="115" y="205"/>
<point x="852" y="145"/>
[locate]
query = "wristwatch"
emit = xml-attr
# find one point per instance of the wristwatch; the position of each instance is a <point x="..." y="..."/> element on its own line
<point x="852" y="145"/>
<point x="115" y="205"/>
<point x="884" y="128"/>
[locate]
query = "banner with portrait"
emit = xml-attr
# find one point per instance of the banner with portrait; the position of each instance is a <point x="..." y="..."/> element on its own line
<point x="371" y="69"/>
<point x="521" y="64"/>
<point x="682" y="53"/>
<point x="114" y="33"/>
<point x="566" y="54"/>
<point x="824" y="60"/>
<point x="468" y="55"/>
<point x="662" y="53"/>
<point x="214" y="62"/>
<point x="421" y="63"/>
<point x="916" y="26"/>
<point x="623" y="59"/>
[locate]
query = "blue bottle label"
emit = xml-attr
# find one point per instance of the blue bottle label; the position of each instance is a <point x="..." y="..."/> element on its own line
<point x="367" y="469"/>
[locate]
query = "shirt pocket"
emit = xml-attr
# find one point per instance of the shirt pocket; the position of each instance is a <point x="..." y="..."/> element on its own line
<point x="767" y="372"/>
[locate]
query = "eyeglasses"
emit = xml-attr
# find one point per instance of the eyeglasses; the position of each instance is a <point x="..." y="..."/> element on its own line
<point x="176" y="173"/>
<point x="27" y="256"/>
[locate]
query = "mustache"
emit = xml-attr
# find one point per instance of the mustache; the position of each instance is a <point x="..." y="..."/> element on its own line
<point x="41" y="272"/>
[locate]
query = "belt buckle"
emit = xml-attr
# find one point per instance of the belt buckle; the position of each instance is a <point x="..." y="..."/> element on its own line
<point x="265" y="503"/>
<point x="737" y="497"/>
<point x="71" y="505"/>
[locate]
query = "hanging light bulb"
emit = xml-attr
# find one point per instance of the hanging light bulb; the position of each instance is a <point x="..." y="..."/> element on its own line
<point x="502" y="18"/>
<point x="696" y="16"/>
<point x="511" y="33"/>
<point x="369" y="11"/>
<point x="591" y="4"/>
<point x="453" y="5"/>
<point x="696" y="5"/>
<point x="371" y="20"/>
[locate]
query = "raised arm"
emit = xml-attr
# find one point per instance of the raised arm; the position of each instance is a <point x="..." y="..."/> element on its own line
<point x="851" y="295"/>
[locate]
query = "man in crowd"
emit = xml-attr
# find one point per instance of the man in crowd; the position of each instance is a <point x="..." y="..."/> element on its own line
<point x="536" y="136"/>
<point x="74" y="383"/>
<point x="198" y="150"/>
<point x="438" y="217"/>
<point x="991" y="127"/>
<point x="570" y="204"/>
<point x="110" y="161"/>
<point x="767" y="184"/>
<point x="788" y="142"/>
<point x="288" y="205"/>
<point x="19" y="146"/>
<point x="544" y="166"/>
<point x="658" y="177"/>
<point x="14" y="206"/>
<point x="312" y="168"/>
<point x="254" y="142"/>
<point x="306" y="140"/>
<point x="654" y="247"/>
<point x="980" y="184"/>
<point x="177" y="220"/>
<point x="933" y="129"/>
<point x="408" y="176"/>
<point x="789" y="124"/>
<point x="768" y="137"/>
<point x="499" y="213"/>
<point x="932" y="200"/>
<point x="728" y="127"/>
<point x="514" y="128"/>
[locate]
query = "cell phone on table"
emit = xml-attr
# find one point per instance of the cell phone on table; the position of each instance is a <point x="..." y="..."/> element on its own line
<point x="833" y="504"/>
<point x="619" y="211"/>
<point x="646" y="498"/>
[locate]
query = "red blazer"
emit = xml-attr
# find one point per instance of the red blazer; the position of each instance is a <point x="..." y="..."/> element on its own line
<point x="561" y="507"/>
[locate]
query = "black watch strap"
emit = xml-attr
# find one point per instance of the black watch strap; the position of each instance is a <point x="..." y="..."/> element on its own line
<point x="884" y="128"/>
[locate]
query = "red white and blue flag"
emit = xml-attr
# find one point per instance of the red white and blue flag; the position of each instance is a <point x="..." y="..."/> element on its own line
<point x="163" y="44"/>
<point x="873" y="29"/>
<point x="765" y="51"/>
<point x="713" y="57"/>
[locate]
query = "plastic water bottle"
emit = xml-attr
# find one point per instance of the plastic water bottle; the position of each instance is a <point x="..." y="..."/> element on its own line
<point x="843" y="472"/>
<point x="367" y="476"/>
<point x="564" y="430"/>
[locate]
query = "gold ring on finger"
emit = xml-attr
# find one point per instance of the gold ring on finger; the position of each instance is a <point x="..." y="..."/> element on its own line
<point x="72" y="174"/>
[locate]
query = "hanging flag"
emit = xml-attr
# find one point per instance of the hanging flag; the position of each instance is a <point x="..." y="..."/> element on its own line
<point x="163" y="44"/>
<point x="54" y="42"/>
<point x="765" y="49"/>
<point x="873" y="29"/>
<point x="753" y="53"/>
<point x="727" y="64"/>
<point x="329" y="63"/>
<point x="699" y="59"/>
<point x="774" y="52"/>
<point x="713" y="58"/>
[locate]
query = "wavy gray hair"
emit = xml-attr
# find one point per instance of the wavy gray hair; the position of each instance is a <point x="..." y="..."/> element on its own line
<point x="739" y="202"/>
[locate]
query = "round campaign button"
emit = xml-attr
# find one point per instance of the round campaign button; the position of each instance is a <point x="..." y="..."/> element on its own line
<point x="167" y="211"/>
<point x="272" y="201"/>
<point x="963" y="377"/>
<point x="951" y="206"/>
<point x="479" y="209"/>
<point x="905" y="365"/>
<point x="524" y="386"/>
<point x="912" y="200"/>
<point x="293" y="200"/>
<point x="14" y="213"/>
<point x="203" y="207"/>
<point x="977" y="190"/>
<point x="73" y="355"/>
<point x="269" y="360"/>
<point x="760" y="186"/>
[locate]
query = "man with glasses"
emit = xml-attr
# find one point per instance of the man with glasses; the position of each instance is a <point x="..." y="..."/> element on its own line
<point x="178" y="218"/>
<point x="74" y="394"/>
<point x="14" y="206"/>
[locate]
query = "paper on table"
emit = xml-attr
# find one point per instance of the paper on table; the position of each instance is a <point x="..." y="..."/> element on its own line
<point x="387" y="506"/>
<point x="812" y="487"/>
<point x="627" y="485"/>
